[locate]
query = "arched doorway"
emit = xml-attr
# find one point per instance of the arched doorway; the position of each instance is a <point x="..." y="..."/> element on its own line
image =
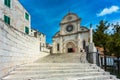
<point x="70" y="47"/>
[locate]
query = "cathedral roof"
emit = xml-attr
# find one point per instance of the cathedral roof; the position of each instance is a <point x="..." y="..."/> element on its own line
<point x="70" y="17"/>
<point x="70" y="13"/>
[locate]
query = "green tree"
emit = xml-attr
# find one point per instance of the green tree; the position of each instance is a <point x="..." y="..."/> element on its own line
<point x="114" y="42"/>
<point x="100" y="35"/>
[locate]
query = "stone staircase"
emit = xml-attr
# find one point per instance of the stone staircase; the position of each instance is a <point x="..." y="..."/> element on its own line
<point x="59" y="67"/>
<point x="59" y="71"/>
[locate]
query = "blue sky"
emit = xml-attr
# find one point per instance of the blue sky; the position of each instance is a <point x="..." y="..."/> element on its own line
<point x="47" y="14"/>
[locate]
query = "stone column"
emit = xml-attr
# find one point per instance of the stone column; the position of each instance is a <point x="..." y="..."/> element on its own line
<point x="91" y="34"/>
<point x="92" y="49"/>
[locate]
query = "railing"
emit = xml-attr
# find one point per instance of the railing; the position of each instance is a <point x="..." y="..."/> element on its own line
<point x="109" y="63"/>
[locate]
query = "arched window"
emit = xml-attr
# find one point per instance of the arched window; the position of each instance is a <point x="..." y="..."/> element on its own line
<point x="58" y="46"/>
<point x="84" y="44"/>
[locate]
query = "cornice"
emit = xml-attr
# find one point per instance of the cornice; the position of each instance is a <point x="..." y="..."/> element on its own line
<point x="71" y="34"/>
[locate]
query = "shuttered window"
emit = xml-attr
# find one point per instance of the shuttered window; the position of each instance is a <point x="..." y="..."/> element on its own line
<point x="7" y="19"/>
<point x="26" y="30"/>
<point x="26" y="16"/>
<point x="7" y="3"/>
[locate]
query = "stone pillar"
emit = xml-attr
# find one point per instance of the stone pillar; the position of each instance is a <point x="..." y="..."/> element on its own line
<point x="92" y="53"/>
<point x="92" y="49"/>
<point x="91" y="34"/>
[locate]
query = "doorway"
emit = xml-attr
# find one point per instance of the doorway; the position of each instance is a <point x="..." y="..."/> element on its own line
<point x="70" y="47"/>
<point x="71" y="50"/>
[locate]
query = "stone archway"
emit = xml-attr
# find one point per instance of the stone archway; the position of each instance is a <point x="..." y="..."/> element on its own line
<point x="70" y="47"/>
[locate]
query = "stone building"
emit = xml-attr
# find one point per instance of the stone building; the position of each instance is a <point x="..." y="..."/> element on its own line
<point x="14" y="14"/>
<point x="42" y="38"/>
<point x="72" y="37"/>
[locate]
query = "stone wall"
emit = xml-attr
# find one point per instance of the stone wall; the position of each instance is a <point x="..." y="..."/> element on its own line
<point x="16" y="48"/>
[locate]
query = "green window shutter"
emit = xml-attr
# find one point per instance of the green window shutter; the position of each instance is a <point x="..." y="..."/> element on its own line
<point x="7" y="19"/>
<point x="26" y="16"/>
<point x="7" y="3"/>
<point x="26" y="30"/>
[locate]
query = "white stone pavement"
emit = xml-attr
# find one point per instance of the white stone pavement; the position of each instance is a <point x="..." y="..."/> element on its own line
<point x="59" y="67"/>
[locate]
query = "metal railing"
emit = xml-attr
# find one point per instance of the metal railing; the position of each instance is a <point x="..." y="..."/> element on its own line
<point x="109" y="63"/>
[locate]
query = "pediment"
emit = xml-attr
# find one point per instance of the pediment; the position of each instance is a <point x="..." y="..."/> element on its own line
<point x="70" y="17"/>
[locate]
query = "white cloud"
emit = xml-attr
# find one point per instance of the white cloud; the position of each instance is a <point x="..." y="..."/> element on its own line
<point x="110" y="10"/>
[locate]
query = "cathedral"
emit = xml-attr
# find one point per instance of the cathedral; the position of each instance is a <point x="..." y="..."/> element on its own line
<point x="72" y="37"/>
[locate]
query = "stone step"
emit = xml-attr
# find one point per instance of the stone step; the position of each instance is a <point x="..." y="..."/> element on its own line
<point x="53" y="68"/>
<point x="41" y="76"/>
<point x="90" y="77"/>
<point x="56" y="66"/>
<point x="54" y="71"/>
<point x="73" y="65"/>
<point x="48" y="72"/>
<point x="59" y="63"/>
<point x="32" y="66"/>
<point x="47" y="68"/>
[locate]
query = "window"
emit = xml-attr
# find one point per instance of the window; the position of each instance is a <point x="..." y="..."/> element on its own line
<point x="7" y="19"/>
<point x="35" y="34"/>
<point x="26" y="16"/>
<point x="26" y="30"/>
<point x="84" y="44"/>
<point x="40" y="46"/>
<point x="57" y="47"/>
<point x="7" y="3"/>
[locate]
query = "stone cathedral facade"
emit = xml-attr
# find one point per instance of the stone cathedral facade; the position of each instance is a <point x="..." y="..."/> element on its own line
<point x="72" y="37"/>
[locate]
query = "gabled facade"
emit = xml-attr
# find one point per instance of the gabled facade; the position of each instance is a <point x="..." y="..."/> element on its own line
<point x="72" y="37"/>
